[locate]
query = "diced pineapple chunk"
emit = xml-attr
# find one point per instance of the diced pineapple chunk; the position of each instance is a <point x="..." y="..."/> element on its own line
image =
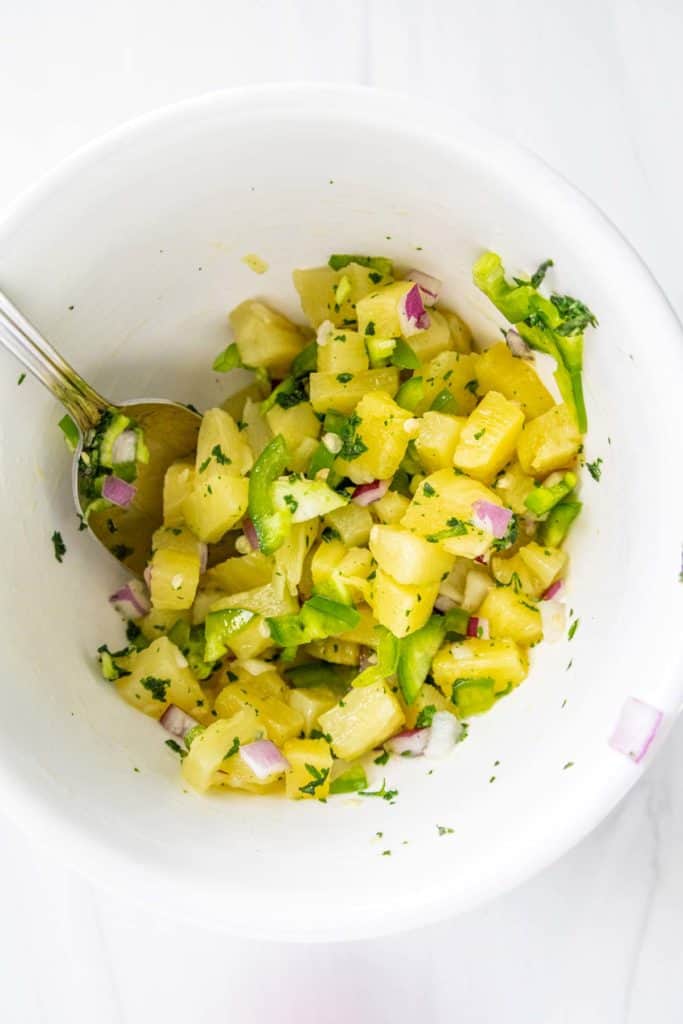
<point x="291" y="555"/>
<point x="312" y="702"/>
<point x="549" y="442"/>
<point x="547" y="564"/>
<point x="175" y="538"/>
<point x="327" y="556"/>
<point x="512" y="615"/>
<point x="212" y="749"/>
<point x="408" y="557"/>
<point x="267" y="600"/>
<point x="318" y="291"/>
<point x="364" y="719"/>
<point x="391" y="508"/>
<point x="222" y="450"/>
<point x="513" y="486"/>
<point x="300" y="458"/>
<point x="477" y="585"/>
<point x="498" y="370"/>
<point x="335" y="650"/>
<point x="365" y="632"/>
<point x="515" y="573"/>
<point x="453" y="372"/>
<point x="308" y="775"/>
<point x="474" y="658"/>
<point x="488" y="439"/>
<point x="215" y="505"/>
<point x="178" y="483"/>
<point x="382" y="437"/>
<point x="329" y="392"/>
<point x="343" y="352"/>
<point x="235" y="773"/>
<point x="436" y="339"/>
<point x="236" y="402"/>
<point x="174" y="579"/>
<point x="400" y="607"/>
<point x="157" y="622"/>
<point x="265" y="337"/>
<point x="242" y="572"/>
<point x="280" y="721"/>
<point x="160" y="676"/>
<point x="259" y="434"/>
<point x="461" y="335"/>
<point x="353" y="524"/>
<point x="442" y="509"/>
<point x="295" y="424"/>
<point x="428" y="701"/>
<point x="305" y="499"/>
<point x="437" y="439"/>
<point x="377" y="313"/>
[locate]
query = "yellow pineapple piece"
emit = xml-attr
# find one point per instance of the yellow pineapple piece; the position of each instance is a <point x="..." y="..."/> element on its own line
<point x="516" y="379"/>
<point x="454" y="372"/>
<point x="160" y="676"/>
<point x="547" y="564"/>
<point x="488" y="439"/>
<point x="311" y="702"/>
<point x="384" y="429"/>
<point x="178" y="483"/>
<point x="215" y="505"/>
<point x="243" y="572"/>
<point x="407" y="557"/>
<point x="216" y="746"/>
<point x="222" y="449"/>
<point x="434" y="340"/>
<point x="391" y="508"/>
<point x="308" y="775"/>
<point x="280" y="721"/>
<point x="335" y="650"/>
<point x="475" y="658"/>
<point x="549" y="442"/>
<point x="427" y="699"/>
<point x="295" y="424"/>
<point x="174" y="579"/>
<point x="442" y="509"/>
<point x="400" y="607"/>
<point x="327" y="391"/>
<point x="379" y="310"/>
<point x="365" y="632"/>
<point x="515" y="573"/>
<point x="157" y="622"/>
<point x="512" y="615"/>
<point x="461" y="335"/>
<point x="437" y="439"/>
<point x="352" y="522"/>
<point x="364" y="719"/>
<point x="265" y="601"/>
<point x="264" y="337"/>
<point x="318" y="290"/>
<point x="513" y="486"/>
<point x="343" y="352"/>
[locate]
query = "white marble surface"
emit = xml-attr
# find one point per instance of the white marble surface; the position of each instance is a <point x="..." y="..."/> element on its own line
<point x="596" y="88"/>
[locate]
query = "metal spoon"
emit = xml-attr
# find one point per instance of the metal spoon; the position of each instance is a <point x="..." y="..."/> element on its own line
<point x="170" y="432"/>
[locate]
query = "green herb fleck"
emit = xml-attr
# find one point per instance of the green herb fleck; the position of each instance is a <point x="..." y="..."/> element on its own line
<point x="59" y="546"/>
<point x="595" y="469"/>
<point x="480" y="433"/>
<point x="443" y="830"/>
<point x="572" y="629"/>
<point x="383" y="793"/>
<point x="220" y="456"/>
<point x="176" y="748"/>
<point x="569" y="764"/>
<point x="428" y="490"/>
<point x="344" y="378"/>
<point x="235" y="746"/>
<point x="424" y="719"/>
<point x="157" y="687"/>
<point x="22" y="378"/>
<point x="472" y="386"/>
<point x="385" y="853"/>
<point x="121" y="551"/>
<point x="318" y="779"/>
<point x="291" y="502"/>
<point x="205" y="464"/>
<point x="382" y="758"/>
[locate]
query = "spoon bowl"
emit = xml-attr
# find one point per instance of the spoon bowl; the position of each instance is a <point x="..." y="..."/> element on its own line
<point x="169" y="430"/>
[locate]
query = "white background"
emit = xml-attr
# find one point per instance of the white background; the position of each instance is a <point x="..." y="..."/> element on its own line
<point x="596" y="88"/>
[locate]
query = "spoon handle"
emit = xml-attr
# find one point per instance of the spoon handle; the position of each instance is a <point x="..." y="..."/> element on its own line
<point x="22" y="339"/>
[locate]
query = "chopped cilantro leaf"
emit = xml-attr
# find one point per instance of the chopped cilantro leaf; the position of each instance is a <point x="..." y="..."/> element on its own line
<point x="344" y="378"/>
<point x="291" y="502"/>
<point x="576" y="316"/>
<point x="318" y="779"/>
<point x="176" y="748"/>
<point x="595" y="469"/>
<point x="572" y="629"/>
<point x="383" y="793"/>
<point x="59" y="545"/>
<point x="234" y="747"/>
<point x="220" y="456"/>
<point x="22" y="378"/>
<point x="472" y="386"/>
<point x="382" y="758"/>
<point x="444" y="830"/>
<point x="428" y="490"/>
<point x="205" y="464"/>
<point x="157" y="687"/>
<point x="424" y="719"/>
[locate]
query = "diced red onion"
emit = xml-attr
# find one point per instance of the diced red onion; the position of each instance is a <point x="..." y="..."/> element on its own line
<point x="365" y="494"/>
<point x="411" y="313"/>
<point x="264" y="758"/>
<point x="428" y="285"/>
<point x="250" y="533"/>
<point x="118" y="491"/>
<point x="553" y="620"/>
<point x="203" y="556"/>
<point x="477" y="627"/>
<point x="444" y="603"/>
<point x="410" y="742"/>
<point x="131" y="601"/>
<point x="493" y="518"/>
<point x="637" y="727"/>
<point x="444" y="733"/>
<point x="177" y="722"/>
<point x="124" y="447"/>
<point x="483" y="559"/>
<point x="552" y="591"/>
<point x="517" y="345"/>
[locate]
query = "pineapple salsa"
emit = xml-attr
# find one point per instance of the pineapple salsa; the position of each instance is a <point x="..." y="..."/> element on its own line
<point x="368" y="540"/>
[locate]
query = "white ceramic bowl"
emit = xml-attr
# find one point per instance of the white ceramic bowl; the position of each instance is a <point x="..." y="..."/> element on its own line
<point x="128" y="257"/>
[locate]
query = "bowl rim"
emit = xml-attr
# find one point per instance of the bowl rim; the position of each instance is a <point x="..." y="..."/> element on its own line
<point x="112" y="867"/>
